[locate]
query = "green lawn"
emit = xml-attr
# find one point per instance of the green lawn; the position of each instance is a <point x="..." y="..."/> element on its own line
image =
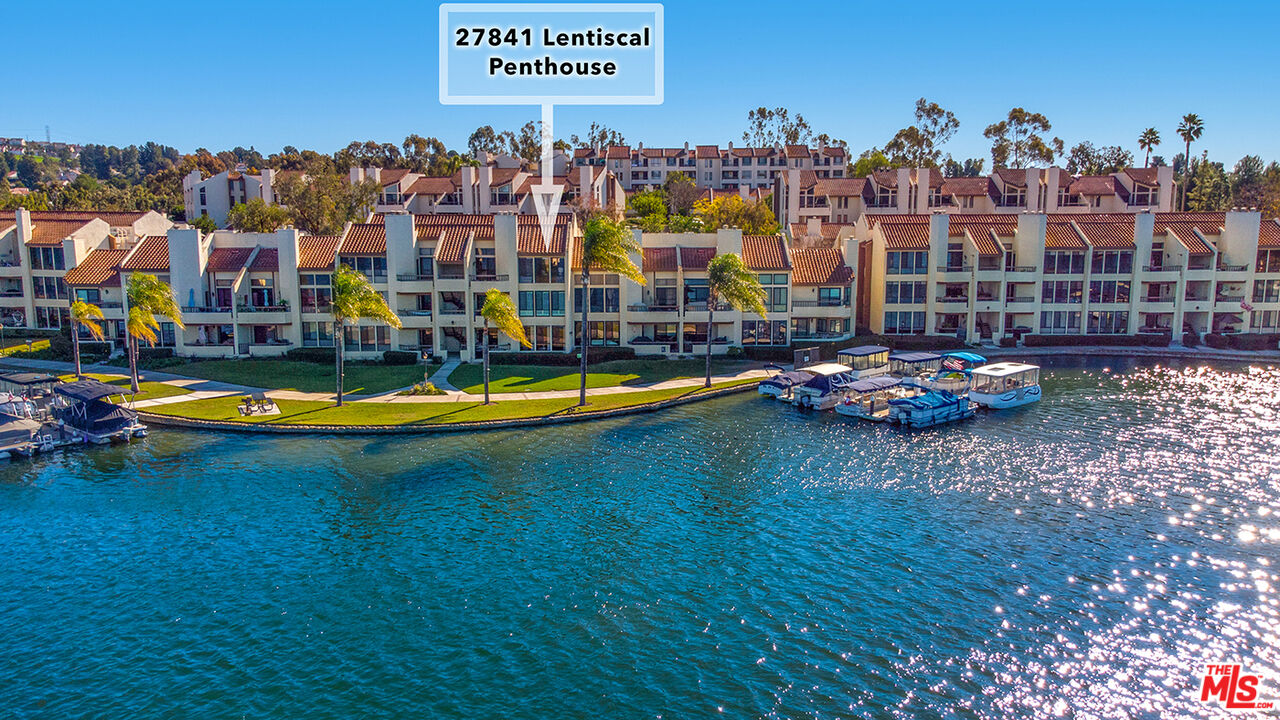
<point x="146" y="390"/>
<point x="302" y="376"/>
<point x="18" y="346"/>
<point x="423" y="413"/>
<point x="537" y="378"/>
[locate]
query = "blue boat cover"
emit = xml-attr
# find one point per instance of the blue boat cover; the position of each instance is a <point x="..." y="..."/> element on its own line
<point x="970" y="357"/>
<point x="913" y="357"/>
<point x="872" y="384"/>
<point x="863" y="350"/>
<point x="931" y="399"/>
<point x="787" y="379"/>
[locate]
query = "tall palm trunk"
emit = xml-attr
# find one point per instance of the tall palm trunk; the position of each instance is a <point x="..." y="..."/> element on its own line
<point x="338" y="341"/>
<point x="711" y="311"/>
<point x="131" y="349"/>
<point x="1186" y="175"/>
<point x="75" y="350"/>
<point x="486" y="361"/>
<point x="586" y="300"/>
<point x="1146" y="160"/>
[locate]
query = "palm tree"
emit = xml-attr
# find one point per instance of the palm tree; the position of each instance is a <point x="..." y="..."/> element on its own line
<point x="353" y="299"/>
<point x="499" y="310"/>
<point x="607" y="246"/>
<point x="146" y="296"/>
<point x="1148" y="141"/>
<point x="730" y="281"/>
<point x="86" y="315"/>
<point x="1191" y="128"/>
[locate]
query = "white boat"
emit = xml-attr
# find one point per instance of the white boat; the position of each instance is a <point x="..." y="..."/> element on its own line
<point x="83" y="408"/>
<point x="825" y="388"/>
<point x="1005" y="385"/>
<point x="865" y="361"/>
<point x="932" y="408"/>
<point x="869" y="399"/>
<point x="952" y="374"/>
<point x="781" y="384"/>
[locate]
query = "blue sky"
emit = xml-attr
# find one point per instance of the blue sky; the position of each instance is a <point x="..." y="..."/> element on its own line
<point x="320" y="74"/>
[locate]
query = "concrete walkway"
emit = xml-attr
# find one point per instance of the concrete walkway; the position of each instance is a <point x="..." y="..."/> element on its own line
<point x="204" y="389"/>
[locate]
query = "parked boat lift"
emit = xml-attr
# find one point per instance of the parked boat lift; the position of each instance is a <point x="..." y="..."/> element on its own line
<point x="40" y="414"/>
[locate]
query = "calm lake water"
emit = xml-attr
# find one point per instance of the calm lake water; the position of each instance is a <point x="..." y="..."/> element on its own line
<point x="1082" y="557"/>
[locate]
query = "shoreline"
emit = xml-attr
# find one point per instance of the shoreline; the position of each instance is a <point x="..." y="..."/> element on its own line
<point x="1184" y="353"/>
<point x="440" y="428"/>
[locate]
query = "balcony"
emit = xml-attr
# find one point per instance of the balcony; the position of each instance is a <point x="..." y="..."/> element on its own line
<point x="955" y="268"/>
<point x="1232" y="268"/>
<point x="953" y="299"/>
<point x="811" y="202"/>
<point x="1161" y="268"/>
<point x="450" y="275"/>
<point x="410" y="277"/>
<point x="502" y="198"/>
<point x="18" y="293"/>
<point x="261" y="308"/>
<point x="702" y="307"/>
<point x="1229" y="298"/>
<point x="413" y="312"/>
<point x="1019" y="299"/>
<point x="489" y="277"/>
<point x="453" y="311"/>
<point x="652" y="308"/>
<point x="206" y="309"/>
<point x="1021" y="269"/>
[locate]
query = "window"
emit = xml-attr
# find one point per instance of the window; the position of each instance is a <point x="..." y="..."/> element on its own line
<point x="906" y="293"/>
<point x="1060" y="322"/>
<point x="541" y="269"/>
<point x="1063" y="262"/>
<point x="367" y="338"/>
<point x="764" y="332"/>
<point x="51" y="317"/>
<point x="47" y="258"/>
<point x="1112" y="262"/>
<point x="485" y="264"/>
<point x="903" y="322"/>
<point x="49" y="288"/>
<point x="907" y="263"/>
<point x="1266" y="320"/>
<point x="1268" y="261"/>
<point x="374" y="268"/>
<point x="599" y="332"/>
<point x="1266" y="290"/>
<point x="1014" y="197"/>
<point x="89" y="295"/>
<point x="955" y="256"/>
<point x="1062" y="291"/>
<point x="315" y="292"/>
<point x="602" y="299"/>
<point x="544" y="337"/>
<point x="830" y="296"/>
<point x="426" y="263"/>
<point x="542" y="303"/>
<point x="775" y="298"/>
<point x="1109" y="291"/>
<point x="1108" y="322"/>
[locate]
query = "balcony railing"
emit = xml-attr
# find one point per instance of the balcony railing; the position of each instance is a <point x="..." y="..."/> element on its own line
<point x="18" y="293"/>
<point x="797" y="304"/>
<point x="410" y="277"/>
<point x="450" y="275"/>
<point x="1020" y="299"/>
<point x="1196" y="298"/>
<point x="316" y="308"/>
<point x="817" y="335"/>
<point x="954" y="299"/>
<point x="955" y="268"/>
<point x="502" y="199"/>
<point x="1161" y="268"/>
<point x="702" y="307"/>
<point x="1229" y="298"/>
<point x="413" y="312"/>
<point x="1021" y="268"/>
<point x="261" y="308"/>
<point x="206" y="308"/>
<point x="489" y="277"/>
<point x="652" y="308"/>
<point x="1232" y="268"/>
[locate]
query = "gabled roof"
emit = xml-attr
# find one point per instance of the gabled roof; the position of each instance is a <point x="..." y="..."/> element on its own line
<point x="618" y="152"/>
<point x="839" y="187"/>
<point x="828" y="231"/>
<point x="1094" y="185"/>
<point x="696" y="258"/>
<point x="885" y="178"/>
<point x="707" y="151"/>
<point x="905" y="235"/>
<point x="820" y="266"/>
<point x="432" y="186"/>
<point x="267" y="260"/>
<point x="529" y="239"/>
<point x="392" y="176"/>
<point x="1186" y="234"/>
<point x="1003" y="224"/>
<point x="316" y="252"/>
<point x="797" y="151"/>
<point x="968" y="186"/>
<point x="152" y="254"/>
<point x="101" y="268"/>
<point x="228" y="259"/>
<point x="765" y="252"/>
<point x="659" y="259"/>
<point x="1012" y="176"/>
<point x="502" y="176"/>
<point x="1208" y="223"/>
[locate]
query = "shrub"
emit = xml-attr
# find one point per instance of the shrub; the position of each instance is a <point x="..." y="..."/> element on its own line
<point x="1147" y="340"/>
<point x="310" y="354"/>
<point x="1215" y="341"/>
<point x="1008" y="342"/>
<point x="425" y="387"/>
<point x="1253" y="341"/>
<point x="154" y="353"/>
<point x="1190" y="339"/>
<point x="734" y="351"/>
<point x="399" y="357"/>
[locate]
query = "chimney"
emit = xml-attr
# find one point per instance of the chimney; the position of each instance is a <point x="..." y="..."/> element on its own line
<point x="374" y="172"/>
<point x="586" y="178"/>
<point x="355" y="175"/>
<point x="23" y="217"/>
<point x="730" y="146"/>
<point x="468" y="189"/>
<point x="686" y="145"/>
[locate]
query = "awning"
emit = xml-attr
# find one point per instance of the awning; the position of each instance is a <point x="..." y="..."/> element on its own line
<point x="872" y="384"/>
<point x="967" y="356"/>
<point x="914" y="357"/>
<point x="27" y="378"/>
<point x="863" y="350"/>
<point x="88" y="390"/>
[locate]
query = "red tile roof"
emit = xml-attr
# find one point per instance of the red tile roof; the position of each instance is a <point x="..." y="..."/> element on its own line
<point x="839" y="187"/>
<point x="1012" y="176"/>
<point x="1144" y="176"/>
<point x="151" y="255"/>
<point x="316" y="252"/>
<point x="765" y="252"/>
<point x="365" y="239"/>
<point x="50" y="233"/>
<point x="905" y="235"/>
<point x="267" y="260"/>
<point x="707" y="151"/>
<point x="228" y="259"/>
<point x="100" y="269"/>
<point x="874" y="219"/>
<point x="1004" y="224"/>
<point x="968" y="186"/>
<point x="1269" y="234"/>
<point x="886" y="178"/>
<point x="1208" y="223"/>
<point x="1093" y="185"/>
<point x="985" y="240"/>
<point x="696" y="258"/>
<point x="114" y="218"/>
<point x="797" y="151"/>
<point x="529" y="239"/>
<point x="392" y="176"/>
<point x="618" y="152"/>
<point x="1062" y="236"/>
<point x="432" y="186"/>
<point x="820" y="266"/>
<point x="452" y="247"/>
<point x="1186" y="234"/>
<point x="1107" y="233"/>
<point x="661" y="259"/>
<point x="829" y="231"/>
<point x="503" y="176"/>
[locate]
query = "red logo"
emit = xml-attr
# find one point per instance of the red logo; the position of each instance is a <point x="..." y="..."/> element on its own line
<point x="1231" y="686"/>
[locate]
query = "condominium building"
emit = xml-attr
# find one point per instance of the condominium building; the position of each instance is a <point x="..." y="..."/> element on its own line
<point x="991" y="275"/>
<point x="710" y="166"/>
<point x="800" y="195"/>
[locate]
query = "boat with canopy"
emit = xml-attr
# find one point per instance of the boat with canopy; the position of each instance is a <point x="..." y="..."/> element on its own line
<point x="1005" y="385"/>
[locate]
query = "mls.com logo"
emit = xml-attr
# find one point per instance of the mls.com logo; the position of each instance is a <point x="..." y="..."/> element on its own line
<point x="1230" y="685"/>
